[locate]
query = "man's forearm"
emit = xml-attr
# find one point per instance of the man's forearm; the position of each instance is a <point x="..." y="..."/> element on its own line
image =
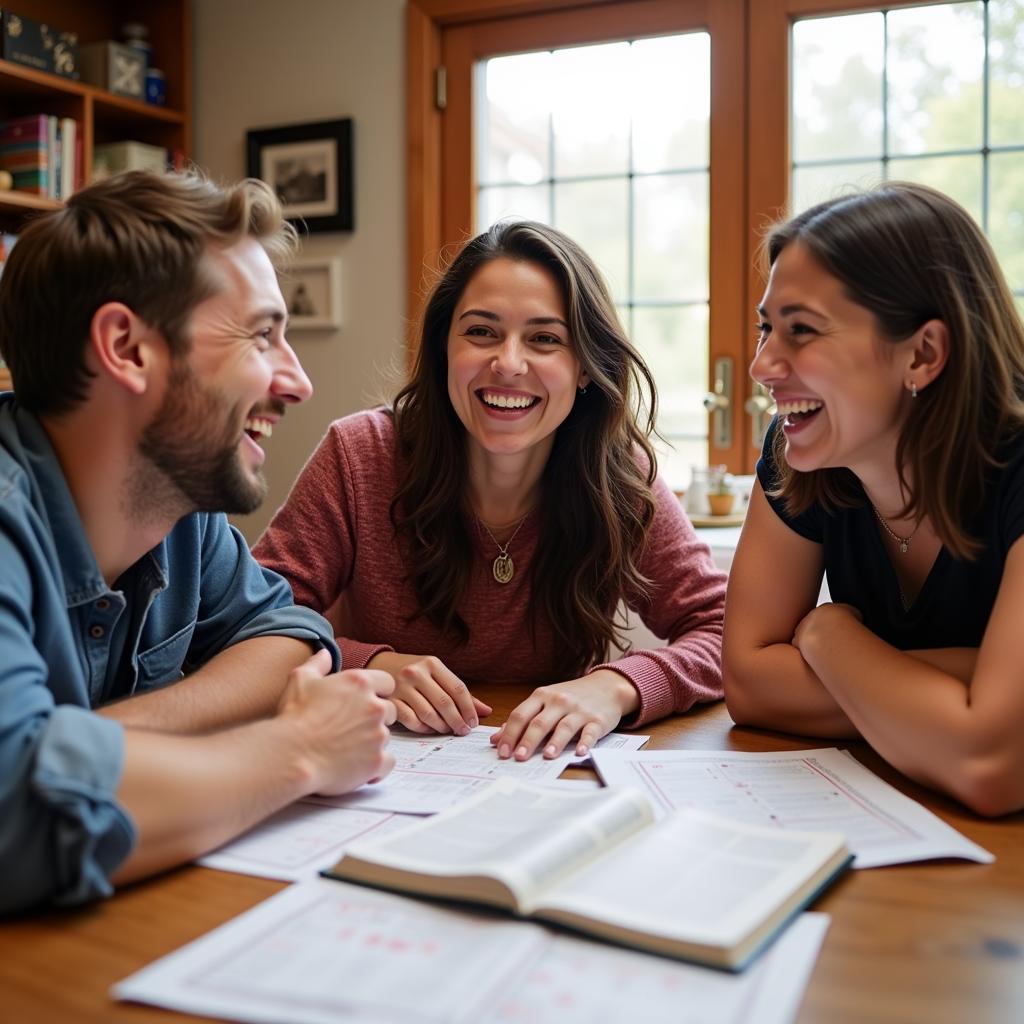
<point x="242" y="683"/>
<point x="189" y="794"/>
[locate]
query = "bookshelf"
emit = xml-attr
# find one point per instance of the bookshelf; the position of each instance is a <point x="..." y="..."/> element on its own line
<point x="102" y="117"/>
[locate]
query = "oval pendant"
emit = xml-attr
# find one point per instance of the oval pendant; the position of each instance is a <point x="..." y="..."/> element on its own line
<point x="503" y="568"/>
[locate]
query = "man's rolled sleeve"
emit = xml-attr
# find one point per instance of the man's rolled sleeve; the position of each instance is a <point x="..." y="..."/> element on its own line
<point x="62" y="832"/>
<point x="239" y="599"/>
<point x="294" y="621"/>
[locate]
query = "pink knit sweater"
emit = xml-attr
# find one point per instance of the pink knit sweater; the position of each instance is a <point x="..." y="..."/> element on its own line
<point x="334" y="541"/>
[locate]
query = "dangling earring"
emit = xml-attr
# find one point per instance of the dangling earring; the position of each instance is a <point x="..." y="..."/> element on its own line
<point x="913" y="390"/>
<point x="582" y="390"/>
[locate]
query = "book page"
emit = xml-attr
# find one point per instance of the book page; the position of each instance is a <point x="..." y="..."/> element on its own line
<point x="299" y="841"/>
<point x="527" y="836"/>
<point x="799" y="789"/>
<point x="695" y="878"/>
<point x="321" y="951"/>
<point x="435" y="772"/>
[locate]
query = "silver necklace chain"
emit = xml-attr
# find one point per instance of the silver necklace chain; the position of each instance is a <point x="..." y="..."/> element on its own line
<point x="902" y="542"/>
<point x="503" y="568"/>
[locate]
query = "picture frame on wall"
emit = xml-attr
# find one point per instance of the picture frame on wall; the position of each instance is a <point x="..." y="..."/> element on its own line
<point x="312" y="293"/>
<point x="309" y="166"/>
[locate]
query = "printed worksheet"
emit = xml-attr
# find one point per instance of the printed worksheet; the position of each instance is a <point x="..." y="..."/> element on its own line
<point x="299" y="841"/>
<point x="433" y="772"/>
<point x="810" y="790"/>
<point x="322" y="951"/>
<point x="614" y="741"/>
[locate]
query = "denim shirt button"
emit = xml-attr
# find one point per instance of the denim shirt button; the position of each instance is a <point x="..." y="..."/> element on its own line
<point x="102" y="604"/>
<point x="96" y="632"/>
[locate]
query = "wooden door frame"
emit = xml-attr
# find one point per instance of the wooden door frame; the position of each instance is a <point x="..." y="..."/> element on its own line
<point x="425" y="21"/>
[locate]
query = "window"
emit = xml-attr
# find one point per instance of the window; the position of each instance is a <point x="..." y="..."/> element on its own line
<point x="929" y="94"/>
<point x="802" y="98"/>
<point x="625" y="172"/>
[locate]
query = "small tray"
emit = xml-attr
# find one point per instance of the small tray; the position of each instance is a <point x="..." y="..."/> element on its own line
<point x="735" y="519"/>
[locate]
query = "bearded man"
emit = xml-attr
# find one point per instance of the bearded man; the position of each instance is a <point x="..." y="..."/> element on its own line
<point x="159" y="691"/>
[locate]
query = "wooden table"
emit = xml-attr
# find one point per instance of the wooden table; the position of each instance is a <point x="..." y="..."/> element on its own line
<point x="935" y="943"/>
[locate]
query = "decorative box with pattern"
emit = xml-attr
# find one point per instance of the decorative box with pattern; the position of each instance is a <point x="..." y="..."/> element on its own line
<point x="39" y="46"/>
<point x="116" y="67"/>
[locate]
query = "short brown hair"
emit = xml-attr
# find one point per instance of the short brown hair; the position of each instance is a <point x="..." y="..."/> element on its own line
<point x="136" y="238"/>
<point x="910" y="254"/>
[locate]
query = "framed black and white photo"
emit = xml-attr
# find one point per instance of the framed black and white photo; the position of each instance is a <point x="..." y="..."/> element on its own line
<point x="312" y="293"/>
<point x="309" y="166"/>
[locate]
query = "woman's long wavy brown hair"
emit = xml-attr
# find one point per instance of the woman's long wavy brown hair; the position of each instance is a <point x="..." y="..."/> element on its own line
<point x="910" y="254"/>
<point x="596" y="503"/>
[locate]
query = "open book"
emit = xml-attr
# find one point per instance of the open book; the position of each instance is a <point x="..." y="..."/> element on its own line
<point x="690" y="885"/>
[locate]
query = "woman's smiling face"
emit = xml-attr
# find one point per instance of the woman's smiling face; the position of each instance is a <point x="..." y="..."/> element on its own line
<point x="837" y="382"/>
<point x="512" y="369"/>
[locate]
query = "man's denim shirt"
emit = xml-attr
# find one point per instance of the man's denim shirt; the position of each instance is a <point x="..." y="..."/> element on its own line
<point x="68" y="643"/>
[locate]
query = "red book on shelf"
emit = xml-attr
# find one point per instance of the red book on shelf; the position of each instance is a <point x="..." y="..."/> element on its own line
<point x="34" y="126"/>
<point x="24" y="152"/>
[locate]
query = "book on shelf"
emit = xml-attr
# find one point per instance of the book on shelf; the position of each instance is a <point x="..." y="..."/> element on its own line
<point x="52" y="157"/>
<point x="69" y="158"/>
<point x="24" y="151"/>
<point x="43" y="154"/>
<point x="114" y="157"/>
<point x="690" y="885"/>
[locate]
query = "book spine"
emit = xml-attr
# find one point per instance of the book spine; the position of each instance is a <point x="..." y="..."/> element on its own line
<point x="33" y="149"/>
<point x="68" y="150"/>
<point x="51" y="157"/>
<point x="32" y="127"/>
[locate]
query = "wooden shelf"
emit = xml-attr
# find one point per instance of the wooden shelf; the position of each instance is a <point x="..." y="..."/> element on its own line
<point x="136" y="108"/>
<point x="21" y="202"/>
<point x="101" y="116"/>
<point x="19" y="79"/>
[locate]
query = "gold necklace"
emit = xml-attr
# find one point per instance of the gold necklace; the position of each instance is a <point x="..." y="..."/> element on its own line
<point x="903" y="542"/>
<point x="503" y="567"/>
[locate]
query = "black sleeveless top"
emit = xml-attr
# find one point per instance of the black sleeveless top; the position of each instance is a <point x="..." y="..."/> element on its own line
<point x="954" y="605"/>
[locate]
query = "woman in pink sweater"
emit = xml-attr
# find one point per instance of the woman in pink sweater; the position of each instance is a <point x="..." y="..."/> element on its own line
<point x="490" y="525"/>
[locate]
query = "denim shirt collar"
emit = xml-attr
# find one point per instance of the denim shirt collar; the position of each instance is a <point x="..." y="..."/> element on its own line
<point x="83" y="581"/>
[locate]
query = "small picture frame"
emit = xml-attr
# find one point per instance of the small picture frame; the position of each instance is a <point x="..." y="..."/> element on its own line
<point x="309" y="166"/>
<point x="312" y="294"/>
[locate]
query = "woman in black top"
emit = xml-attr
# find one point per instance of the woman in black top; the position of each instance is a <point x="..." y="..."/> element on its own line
<point x="891" y="344"/>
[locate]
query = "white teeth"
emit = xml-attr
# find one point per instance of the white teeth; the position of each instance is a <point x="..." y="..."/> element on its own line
<point x="786" y="408"/>
<point x="507" y="401"/>
<point x="259" y="426"/>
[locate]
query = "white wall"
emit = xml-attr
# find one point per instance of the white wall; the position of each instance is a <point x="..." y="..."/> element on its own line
<point x="265" y="63"/>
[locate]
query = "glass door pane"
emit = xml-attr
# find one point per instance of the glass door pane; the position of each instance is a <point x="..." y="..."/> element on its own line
<point x="610" y="143"/>
<point x="928" y="94"/>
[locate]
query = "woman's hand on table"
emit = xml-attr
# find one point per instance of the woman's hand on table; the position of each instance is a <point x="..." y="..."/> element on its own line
<point x="551" y="716"/>
<point x="428" y="696"/>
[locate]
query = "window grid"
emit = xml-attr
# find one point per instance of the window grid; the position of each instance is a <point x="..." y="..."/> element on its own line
<point x="629" y="303"/>
<point x="985" y="151"/>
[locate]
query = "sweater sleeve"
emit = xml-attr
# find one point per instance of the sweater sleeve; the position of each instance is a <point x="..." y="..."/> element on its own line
<point x="686" y="605"/>
<point x="313" y="537"/>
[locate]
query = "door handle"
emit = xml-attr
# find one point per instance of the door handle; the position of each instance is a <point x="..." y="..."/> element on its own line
<point x="761" y="408"/>
<point x="719" y="403"/>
